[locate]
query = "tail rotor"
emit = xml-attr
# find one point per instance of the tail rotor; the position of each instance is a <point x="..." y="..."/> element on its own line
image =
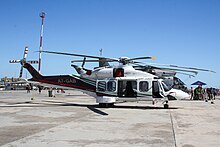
<point x="23" y="61"/>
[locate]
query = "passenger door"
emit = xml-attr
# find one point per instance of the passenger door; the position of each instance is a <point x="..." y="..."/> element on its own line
<point x="156" y="90"/>
<point x="127" y="88"/>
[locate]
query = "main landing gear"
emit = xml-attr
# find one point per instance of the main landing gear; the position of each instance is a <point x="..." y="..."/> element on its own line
<point x="106" y="105"/>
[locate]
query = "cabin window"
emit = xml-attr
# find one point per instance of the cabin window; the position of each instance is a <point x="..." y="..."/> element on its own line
<point x="111" y="86"/>
<point x="143" y="86"/>
<point x="101" y="86"/>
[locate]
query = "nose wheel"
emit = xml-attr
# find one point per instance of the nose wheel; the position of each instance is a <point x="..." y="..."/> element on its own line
<point x="165" y="105"/>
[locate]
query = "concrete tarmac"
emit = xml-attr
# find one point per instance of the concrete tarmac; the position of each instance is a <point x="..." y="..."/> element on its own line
<point x="74" y="119"/>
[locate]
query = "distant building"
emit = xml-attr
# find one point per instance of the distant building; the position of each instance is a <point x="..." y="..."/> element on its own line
<point x="13" y="84"/>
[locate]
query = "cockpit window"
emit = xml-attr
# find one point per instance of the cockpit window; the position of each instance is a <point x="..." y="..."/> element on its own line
<point x="177" y="81"/>
<point x="165" y="87"/>
<point x="143" y="86"/>
<point x="111" y="86"/>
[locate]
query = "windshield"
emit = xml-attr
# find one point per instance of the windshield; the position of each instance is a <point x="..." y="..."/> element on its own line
<point x="165" y="87"/>
<point x="177" y="81"/>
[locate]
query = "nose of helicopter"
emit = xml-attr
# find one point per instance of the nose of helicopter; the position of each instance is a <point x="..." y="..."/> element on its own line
<point x="176" y="94"/>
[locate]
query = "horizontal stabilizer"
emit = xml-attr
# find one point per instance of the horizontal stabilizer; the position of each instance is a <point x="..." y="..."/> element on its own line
<point x="78" y="69"/>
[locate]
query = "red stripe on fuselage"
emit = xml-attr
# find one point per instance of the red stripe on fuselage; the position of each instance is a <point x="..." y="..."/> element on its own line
<point x="68" y="85"/>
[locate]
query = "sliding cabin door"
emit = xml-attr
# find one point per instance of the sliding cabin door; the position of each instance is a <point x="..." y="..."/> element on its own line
<point x="127" y="88"/>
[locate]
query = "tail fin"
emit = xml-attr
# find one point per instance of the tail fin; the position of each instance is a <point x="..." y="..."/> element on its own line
<point x="35" y="74"/>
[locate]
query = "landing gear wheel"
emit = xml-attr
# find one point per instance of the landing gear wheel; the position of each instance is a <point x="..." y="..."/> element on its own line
<point x="166" y="106"/>
<point x="106" y="105"/>
<point x="111" y="105"/>
<point x="102" y="105"/>
<point x="153" y="102"/>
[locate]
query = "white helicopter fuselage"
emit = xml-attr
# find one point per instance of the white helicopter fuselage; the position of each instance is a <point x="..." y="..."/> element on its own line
<point x="129" y="73"/>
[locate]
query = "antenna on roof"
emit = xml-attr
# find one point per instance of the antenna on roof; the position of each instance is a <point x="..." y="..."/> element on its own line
<point x="42" y="15"/>
<point x="100" y="50"/>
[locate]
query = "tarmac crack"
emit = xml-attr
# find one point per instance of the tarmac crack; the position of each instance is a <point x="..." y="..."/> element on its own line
<point x="173" y="130"/>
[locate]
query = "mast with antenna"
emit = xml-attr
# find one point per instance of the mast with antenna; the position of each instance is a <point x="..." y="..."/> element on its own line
<point x="42" y="15"/>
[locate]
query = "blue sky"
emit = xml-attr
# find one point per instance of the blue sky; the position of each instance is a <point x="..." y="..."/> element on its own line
<point x="180" y="32"/>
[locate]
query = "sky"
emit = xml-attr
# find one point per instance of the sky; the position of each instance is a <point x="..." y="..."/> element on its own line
<point x="179" y="32"/>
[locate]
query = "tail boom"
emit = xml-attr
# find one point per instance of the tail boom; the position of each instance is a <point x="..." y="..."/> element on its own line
<point x="69" y="81"/>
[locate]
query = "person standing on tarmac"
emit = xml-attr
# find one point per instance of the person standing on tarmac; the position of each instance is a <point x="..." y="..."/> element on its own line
<point x="39" y="89"/>
<point x="28" y="88"/>
<point x="198" y="93"/>
<point x="192" y="93"/>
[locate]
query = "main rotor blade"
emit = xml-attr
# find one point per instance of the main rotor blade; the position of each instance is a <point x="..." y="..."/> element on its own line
<point x="81" y="55"/>
<point x="85" y="61"/>
<point x="70" y="54"/>
<point x="176" y="69"/>
<point x="165" y="69"/>
<point x="183" y="67"/>
<point x="193" y="68"/>
<point x="137" y="63"/>
<point x="139" y="58"/>
<point x="104" y="60"/>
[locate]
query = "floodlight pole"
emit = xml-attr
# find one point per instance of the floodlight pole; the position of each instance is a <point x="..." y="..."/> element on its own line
<point x="42" y="15"/>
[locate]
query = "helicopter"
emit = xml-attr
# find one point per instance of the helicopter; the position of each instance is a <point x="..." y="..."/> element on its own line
<point x="124" y="72"/>
<point x="163" y="71"/>
<point x="111" y="84"/>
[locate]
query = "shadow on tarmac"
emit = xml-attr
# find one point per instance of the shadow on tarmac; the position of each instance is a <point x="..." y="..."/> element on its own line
<point x="92" y="107"/>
